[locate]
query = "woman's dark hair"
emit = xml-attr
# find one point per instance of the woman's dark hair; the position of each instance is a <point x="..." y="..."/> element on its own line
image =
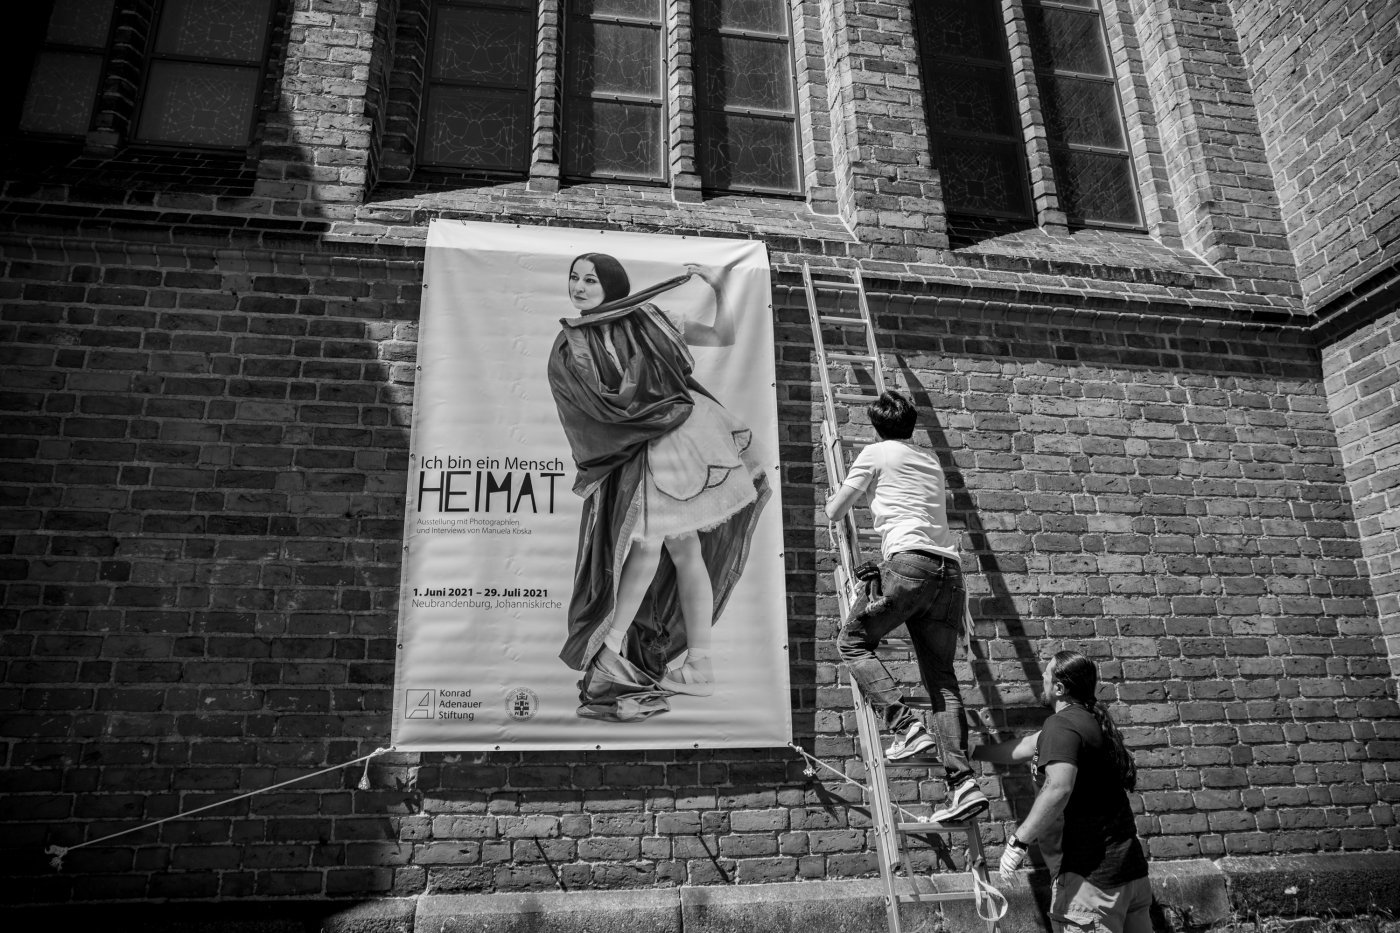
<point x="1080" y="678"/>
<point x="893" y="416"/>
<point x="610" y="274"/>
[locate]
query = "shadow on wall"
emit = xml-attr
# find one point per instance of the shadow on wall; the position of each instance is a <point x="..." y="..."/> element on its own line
<point x="992" y="714"/>
<point x="989" y="712"/>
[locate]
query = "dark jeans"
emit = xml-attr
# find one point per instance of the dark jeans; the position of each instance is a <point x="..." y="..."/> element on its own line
<point x="924" y="593"/>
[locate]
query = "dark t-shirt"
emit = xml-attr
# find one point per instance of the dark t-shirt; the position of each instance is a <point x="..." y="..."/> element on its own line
<point x="1099" y="839"/>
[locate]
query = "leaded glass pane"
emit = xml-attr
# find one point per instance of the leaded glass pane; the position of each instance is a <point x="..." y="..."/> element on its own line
<point x="983" y="178"/>
<point x="740" y="72"/>
<point x="611" y="138"/>
<point x="765" y="16"/>
<point x="614" y="58"/>
<point x="742" y="151"/>
<point x="484" y="46"/>
<point x="62" y="89"/>
<point x="1081" y="111"/>
<point x="972" y="100"/>
<point x="206" y="105"/>
<point x="228" y="29"/>
<point x="1096" y="187"/>
<point x="964" y="28"/>
<point x="1066" y="40"/>
<point x="633" y="9"/>
<point x="81" y="22"/>
<point x="476" y="129"/>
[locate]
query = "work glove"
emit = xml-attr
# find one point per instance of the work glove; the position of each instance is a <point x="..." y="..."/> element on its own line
<point x="1011" y="859"/>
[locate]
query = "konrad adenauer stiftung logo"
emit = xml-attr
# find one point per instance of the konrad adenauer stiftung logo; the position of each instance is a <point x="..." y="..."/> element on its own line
<point x="522" y="703"/>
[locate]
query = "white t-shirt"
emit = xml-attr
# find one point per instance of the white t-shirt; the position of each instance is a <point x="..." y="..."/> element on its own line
<point x="908" y="498"/>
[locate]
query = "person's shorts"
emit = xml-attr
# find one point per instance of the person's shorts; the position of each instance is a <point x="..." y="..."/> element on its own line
<point x="1076" y="906"/>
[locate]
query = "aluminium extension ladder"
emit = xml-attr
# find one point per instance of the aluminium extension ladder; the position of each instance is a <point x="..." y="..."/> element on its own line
<point x="836" y="301"/>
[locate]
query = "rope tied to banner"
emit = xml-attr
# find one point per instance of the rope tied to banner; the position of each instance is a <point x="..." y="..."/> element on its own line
<point x="58" y="852"/>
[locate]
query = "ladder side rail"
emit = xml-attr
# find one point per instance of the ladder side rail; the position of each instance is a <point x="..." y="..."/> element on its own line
<point x="864" y="305"/>
<point x="844" y="534"/>
<point x="815" y="316"/>
<point x="889" y="848"/>
<point x="977" y="865"/>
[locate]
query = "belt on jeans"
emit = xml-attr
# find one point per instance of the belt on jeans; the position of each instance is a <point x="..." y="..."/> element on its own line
<point x="933" y="554"/>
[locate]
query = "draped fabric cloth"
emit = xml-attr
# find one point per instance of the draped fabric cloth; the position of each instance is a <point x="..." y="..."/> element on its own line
<point x="622" y="380"/>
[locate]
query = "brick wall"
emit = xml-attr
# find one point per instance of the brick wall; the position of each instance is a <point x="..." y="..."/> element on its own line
<point x="204" y="487"/>
<point x="1210" y="130"/>
<point x="205" y="385"/>
<point x="891" y="195"/>
<point x="203" y="476"/>
<point x="1363" y="392"/>
<point x="1176" y="508"/>
<point x="317" y="142"/>
<point x="1325" y="74"/>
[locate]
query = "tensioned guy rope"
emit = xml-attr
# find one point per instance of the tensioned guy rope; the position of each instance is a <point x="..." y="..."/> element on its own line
<point x="58" y="852"/>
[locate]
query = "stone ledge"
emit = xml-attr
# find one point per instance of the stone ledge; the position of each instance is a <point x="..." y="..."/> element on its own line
<point x="627" y="911"/>
<point x="845" y="907"/>
<point x="383" y="915"/>
<point x="387" y="915"/>
<point x="1313" y="885"/>
<point x="1191" y="894"/>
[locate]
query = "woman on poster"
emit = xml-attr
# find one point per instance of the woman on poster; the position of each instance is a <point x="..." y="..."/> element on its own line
<point x="672" y="490"/>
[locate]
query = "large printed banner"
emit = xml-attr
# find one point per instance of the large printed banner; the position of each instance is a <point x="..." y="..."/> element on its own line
<point x="593" y="544"/>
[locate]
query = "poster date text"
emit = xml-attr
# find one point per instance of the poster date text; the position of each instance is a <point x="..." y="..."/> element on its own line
<point x="487" y="592"/>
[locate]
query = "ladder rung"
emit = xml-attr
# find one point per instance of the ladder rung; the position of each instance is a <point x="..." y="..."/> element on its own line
<point x="914" y="761"/>
<point x="853" y="397"/>
<point x="841" y="319"/>
<point x="939" y="897"/>
<point x="844" y="284"/>
<point x="850" y="357"/>
<point x="963" y="827"/>
<point x="944" y="897"/>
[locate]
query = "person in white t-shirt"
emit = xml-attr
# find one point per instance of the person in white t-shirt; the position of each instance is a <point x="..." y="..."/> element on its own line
<point x="920" y="587"/>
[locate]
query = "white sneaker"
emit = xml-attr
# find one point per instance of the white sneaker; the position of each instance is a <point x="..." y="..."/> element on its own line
<point x="916" y="739"/>
<point x="964" y="802"/>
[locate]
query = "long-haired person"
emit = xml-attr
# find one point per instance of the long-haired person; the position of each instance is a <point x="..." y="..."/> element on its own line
<point x="1081" y="818"/>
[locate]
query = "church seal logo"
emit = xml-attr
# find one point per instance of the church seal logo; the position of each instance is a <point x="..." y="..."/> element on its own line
<point x="522" y="703"/>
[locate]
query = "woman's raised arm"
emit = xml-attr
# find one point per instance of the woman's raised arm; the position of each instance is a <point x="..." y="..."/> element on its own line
<point x="721" y="332"/>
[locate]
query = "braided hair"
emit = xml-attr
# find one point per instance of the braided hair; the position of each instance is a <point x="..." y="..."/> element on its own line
<point x="1081" y="682"/>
